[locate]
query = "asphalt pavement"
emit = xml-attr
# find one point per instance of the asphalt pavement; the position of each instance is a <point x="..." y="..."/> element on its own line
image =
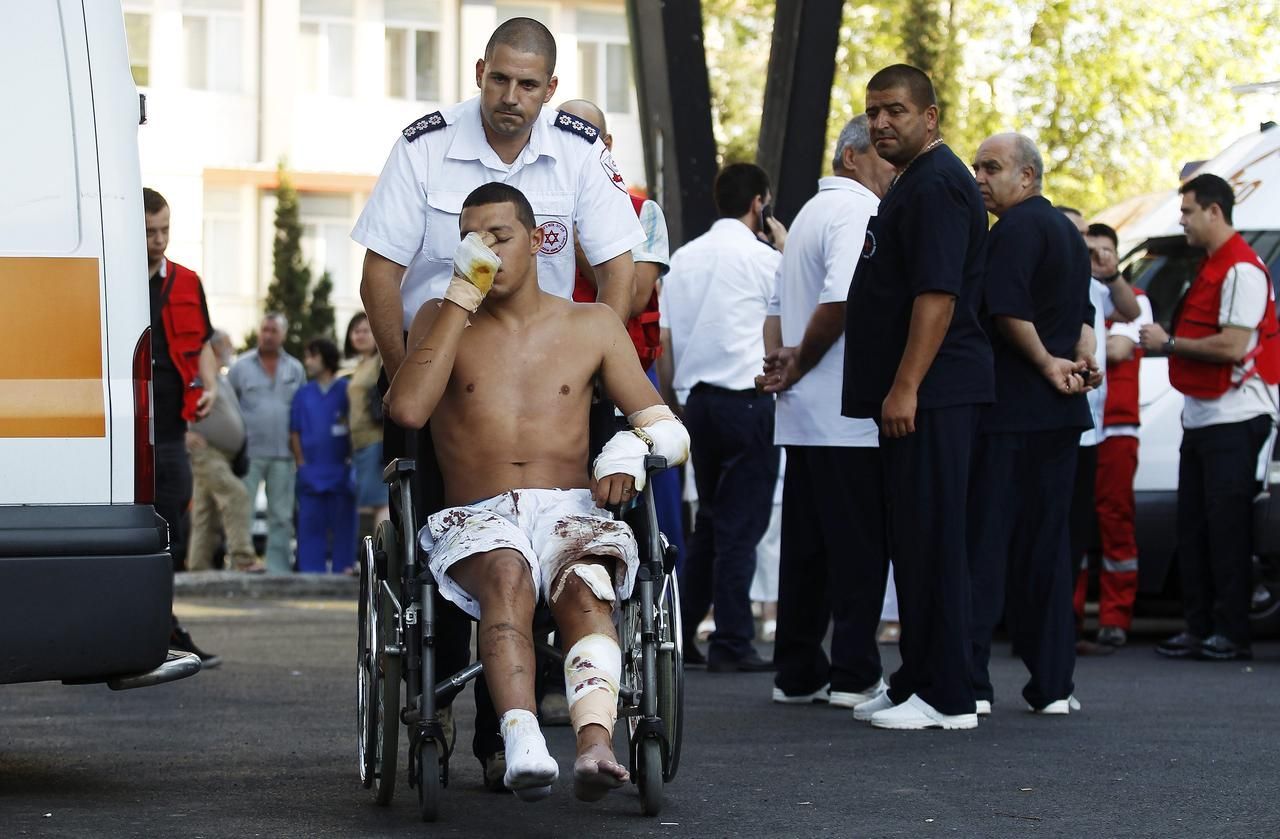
<point x="265" y="746"/>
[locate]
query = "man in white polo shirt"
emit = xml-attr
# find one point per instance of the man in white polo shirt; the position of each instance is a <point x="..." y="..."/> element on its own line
<point x="714" y="302"/>
<point x="834" y="556"/>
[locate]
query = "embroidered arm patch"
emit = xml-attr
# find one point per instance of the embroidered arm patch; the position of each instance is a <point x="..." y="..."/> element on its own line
<point x="431" y="122"/>
<point x="577" y="125"/>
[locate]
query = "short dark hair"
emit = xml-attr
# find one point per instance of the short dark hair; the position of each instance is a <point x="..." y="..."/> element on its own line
<point x="1100" y="229"/>
<point x="152" y="201"/>
<point x="1211" y="189"/>
<point x="915" y="80"/>
<point x="736" y="187"/>
<point x="348" y="348"/>
<point x="496" y="193"/>
<point x="524" y="34"/>
<point x="327" y="350"/>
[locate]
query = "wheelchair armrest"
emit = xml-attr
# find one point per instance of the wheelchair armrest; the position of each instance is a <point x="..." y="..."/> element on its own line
<point x="654" y="463"/>
<point x="398" y="468"/>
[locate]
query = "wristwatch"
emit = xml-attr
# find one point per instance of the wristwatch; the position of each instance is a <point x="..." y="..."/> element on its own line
<point x="1169" y="344"/>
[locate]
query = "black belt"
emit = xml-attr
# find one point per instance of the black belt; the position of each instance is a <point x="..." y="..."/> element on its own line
<point x="703" y="387"/>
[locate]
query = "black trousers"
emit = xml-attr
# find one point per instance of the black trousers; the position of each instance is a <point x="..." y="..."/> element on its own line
<point x="832" y="570"/>
<point x="1019" y="541"/>
<point x="735" y="465"/>
<point x="1216" y="485"/>
<point x="453" y="626"/>
<point x="173" y="495"/>
<point x="926" y="479"/>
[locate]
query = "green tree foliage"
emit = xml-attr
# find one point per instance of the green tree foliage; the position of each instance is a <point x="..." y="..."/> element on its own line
<point x="1118" y="94"/>
<point x="309" y="310"/>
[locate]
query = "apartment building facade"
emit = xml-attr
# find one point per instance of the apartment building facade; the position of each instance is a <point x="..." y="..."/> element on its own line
<point x="236" y="86"/>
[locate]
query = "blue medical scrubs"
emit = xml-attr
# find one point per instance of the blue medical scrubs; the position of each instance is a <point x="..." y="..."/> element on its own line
<point x="326" y="481"/>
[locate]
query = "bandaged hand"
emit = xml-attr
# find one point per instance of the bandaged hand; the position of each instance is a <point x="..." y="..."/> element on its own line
<point x="655" y="430"/>
<point x="474" y="267"/>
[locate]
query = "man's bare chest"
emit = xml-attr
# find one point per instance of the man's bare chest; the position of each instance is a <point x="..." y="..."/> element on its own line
<point x="537" y="373"/>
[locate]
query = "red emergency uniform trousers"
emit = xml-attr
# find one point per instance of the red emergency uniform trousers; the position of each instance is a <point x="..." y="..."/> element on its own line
<point x="1113" y="497"/>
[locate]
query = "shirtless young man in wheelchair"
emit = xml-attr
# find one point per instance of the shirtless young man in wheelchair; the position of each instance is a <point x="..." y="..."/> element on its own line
<point x="504" y="372"/>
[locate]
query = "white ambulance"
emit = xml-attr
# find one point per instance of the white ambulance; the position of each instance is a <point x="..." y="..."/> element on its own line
<point x="1163" y="264"/>
<point x="86" y="582"/>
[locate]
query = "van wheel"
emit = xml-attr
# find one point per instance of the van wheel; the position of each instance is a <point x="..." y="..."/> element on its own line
<point x="1264" y="611"/>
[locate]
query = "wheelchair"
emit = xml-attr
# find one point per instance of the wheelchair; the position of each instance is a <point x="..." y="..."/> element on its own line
<point x="397" y="644"/>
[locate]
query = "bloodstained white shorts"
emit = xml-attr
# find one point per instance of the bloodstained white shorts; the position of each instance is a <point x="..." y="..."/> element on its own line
<point x="549" y="527"/>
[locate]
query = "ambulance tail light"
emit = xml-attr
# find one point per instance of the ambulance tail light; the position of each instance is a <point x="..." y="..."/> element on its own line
<point x="144" y="445"/>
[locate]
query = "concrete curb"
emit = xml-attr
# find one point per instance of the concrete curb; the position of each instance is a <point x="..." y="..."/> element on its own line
<point x="285" y="586"/>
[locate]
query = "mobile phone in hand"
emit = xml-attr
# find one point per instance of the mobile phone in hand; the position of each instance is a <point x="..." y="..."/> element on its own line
<point x="766" y="213"/>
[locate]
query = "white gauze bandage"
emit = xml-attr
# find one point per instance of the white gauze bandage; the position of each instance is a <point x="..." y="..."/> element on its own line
<point x="474" y="267"/>
<point x="592" y="668"/>
<point x="654" y="430"/>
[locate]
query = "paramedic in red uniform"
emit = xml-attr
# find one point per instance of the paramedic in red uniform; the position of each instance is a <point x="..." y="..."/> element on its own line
<point x="184" y="383"/>
<point x="1117" y="462"/>
<point x="1223" y="356"/>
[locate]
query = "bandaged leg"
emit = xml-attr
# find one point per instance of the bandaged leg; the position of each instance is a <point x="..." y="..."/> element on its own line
<point x="592" y="669"/>
<point x="530" y="768"/>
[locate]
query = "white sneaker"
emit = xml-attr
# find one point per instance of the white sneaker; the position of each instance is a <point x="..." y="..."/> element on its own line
<point x="822" y="694"/>
<point x="848" y="699"/>
<point x="863" y="712"/>
<point x="1059" y="707"/>
<point x="915" y="714"/>
<point x="984" y="707"/>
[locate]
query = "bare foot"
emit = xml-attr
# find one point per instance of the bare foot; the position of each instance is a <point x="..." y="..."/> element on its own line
<point x="595" y="772"/>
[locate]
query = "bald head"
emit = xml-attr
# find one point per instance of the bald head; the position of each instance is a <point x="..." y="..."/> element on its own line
<point x="526" y="35"/>
<point x="1009" y="170"/>
<point x="591" y="112"/>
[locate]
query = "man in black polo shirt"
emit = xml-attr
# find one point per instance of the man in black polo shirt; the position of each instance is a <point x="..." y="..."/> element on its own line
<point x="1037" y="299"/>
<point x="918" y="362"/>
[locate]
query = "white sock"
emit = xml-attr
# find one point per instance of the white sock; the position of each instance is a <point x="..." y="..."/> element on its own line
<point x="530" y="768"/>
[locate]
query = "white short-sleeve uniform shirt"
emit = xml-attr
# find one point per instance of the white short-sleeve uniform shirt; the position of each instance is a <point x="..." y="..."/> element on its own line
<point x="817" y="267"/>
<point x="565" y="171"/>
<point x="1103" y="308"/>
<point x="1245" y="296"/>
<point x="714" y="300"/>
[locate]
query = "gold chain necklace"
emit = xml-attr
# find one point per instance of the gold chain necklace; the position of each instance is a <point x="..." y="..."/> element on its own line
<point x="933" y="144"/>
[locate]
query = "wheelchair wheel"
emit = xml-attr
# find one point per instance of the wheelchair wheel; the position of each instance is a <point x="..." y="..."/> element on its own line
<point x="384" y="682"/>
<point x="670" y="675"/>
<point x="428" y="780"/>
<point x="649" y="779"/>
<point x="365" y="734"/>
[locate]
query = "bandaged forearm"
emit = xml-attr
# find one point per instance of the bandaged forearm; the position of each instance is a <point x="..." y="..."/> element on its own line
<point x="592" y="668"/>
<point x="655" y="430"/>
<point x="474" y="266"/>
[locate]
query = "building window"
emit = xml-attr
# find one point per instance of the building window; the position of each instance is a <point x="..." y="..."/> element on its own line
<point x="211" y="35"/>
<point x="413" y="64"/>
<point x="222" y="272"/>
<point x="326" y="241"/>
<point x="604" y="61"/>
<point x="413" y="49"/>
<point x="326" y="49"/>
<point x="137" y="31"/>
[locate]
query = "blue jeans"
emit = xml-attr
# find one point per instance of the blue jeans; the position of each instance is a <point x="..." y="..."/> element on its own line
<point x="279" y="473"/>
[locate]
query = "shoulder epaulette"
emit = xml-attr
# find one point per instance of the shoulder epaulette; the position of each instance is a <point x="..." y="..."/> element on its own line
<point x="577" y="126"/>
<point x="431" y="122"/>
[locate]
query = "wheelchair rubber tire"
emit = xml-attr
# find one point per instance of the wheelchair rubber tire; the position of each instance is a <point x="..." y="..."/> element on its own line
<point x="649" y="756"/>
<point x="670" y="675"/>
<point x="365" y="733"/>
<point x="386" y="672"/>
<point x="428" y="780"/>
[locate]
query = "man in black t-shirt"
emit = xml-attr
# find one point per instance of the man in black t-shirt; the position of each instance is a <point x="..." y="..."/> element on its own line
<point x="918" y="362"/>
<point x="1036" y="297"/>
<point x="179" y="314"/>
